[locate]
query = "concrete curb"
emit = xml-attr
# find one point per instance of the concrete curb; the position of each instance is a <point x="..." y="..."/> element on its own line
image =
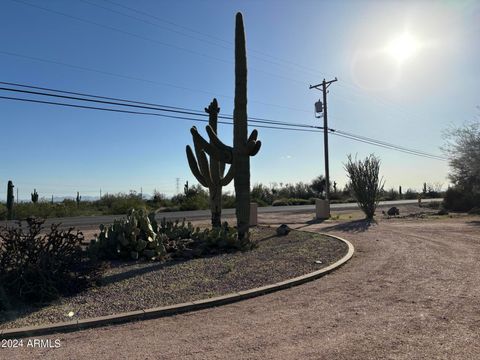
<point x="175" y="309"/>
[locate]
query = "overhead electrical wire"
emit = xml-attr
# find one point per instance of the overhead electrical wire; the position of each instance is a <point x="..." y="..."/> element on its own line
<point x="271" y="124"/>
<point x="345" y="133"/>
<point x="142" y="113"/>
<point x="278" y="61"/>
<point x="128" y="77"/>
<point x="132" y="103"/>
<point x="391" y="147"/>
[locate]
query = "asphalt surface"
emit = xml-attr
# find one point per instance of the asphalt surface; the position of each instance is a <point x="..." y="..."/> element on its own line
<point x="90" y="221"/>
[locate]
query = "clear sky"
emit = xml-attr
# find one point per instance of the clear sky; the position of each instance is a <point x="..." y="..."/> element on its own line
<point x="406" y="71"/>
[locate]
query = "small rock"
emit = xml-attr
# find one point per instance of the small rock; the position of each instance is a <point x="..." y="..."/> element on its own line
<point x="283" y="230"/>
<point x="318" y="261"/>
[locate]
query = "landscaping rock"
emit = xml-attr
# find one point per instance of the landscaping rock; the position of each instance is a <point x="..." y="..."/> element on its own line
<point x="393" y="211"/>
<point x="283" y="230"/>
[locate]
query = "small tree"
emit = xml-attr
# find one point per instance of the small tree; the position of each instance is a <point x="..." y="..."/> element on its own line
<point x="463" y="150"/>
<point x="318" y="185"/>
<point x="365" y="183"/>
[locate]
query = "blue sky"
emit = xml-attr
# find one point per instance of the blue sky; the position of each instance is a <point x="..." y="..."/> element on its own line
<point x="180" y="53"/>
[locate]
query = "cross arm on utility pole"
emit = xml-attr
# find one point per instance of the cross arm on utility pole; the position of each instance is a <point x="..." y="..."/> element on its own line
<point x="324" y="83"/>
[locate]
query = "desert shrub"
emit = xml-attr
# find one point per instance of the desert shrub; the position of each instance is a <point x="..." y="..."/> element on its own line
<point x="433" y="205"/>
<point x="318" y="185"/>
<point x="410" y="195"/>
<point x="365" y="183"/>
<point x="38" y="265"/>
<point x="293" y="201"/>
<point x="228" y="201"/>
<point x="296" y="201"/>
<point x="120" y="204"/>
<point x="197" y="202"/>
<point x="460" y="200"/>
<point x="389" y="195"/>
<point x="3" y="212"/>
<point x="474" y="211"/>
<point x="280" y="202"/>
<point x="261" y="194"/>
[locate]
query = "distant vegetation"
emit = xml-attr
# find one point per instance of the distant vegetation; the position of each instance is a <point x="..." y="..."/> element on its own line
<point x="196" y="198"/>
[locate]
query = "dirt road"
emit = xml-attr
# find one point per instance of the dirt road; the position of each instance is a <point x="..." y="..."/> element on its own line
<point x="411" y="291"/>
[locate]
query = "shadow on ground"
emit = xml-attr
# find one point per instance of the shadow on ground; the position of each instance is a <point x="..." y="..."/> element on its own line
<point x="355" y="226"/>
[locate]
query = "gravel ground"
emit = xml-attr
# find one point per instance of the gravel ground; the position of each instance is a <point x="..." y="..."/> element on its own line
<point x="411" y="291"/>
<point x="141" y="285"/>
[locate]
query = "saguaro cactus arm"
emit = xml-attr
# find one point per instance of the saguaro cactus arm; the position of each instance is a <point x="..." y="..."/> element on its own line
<point x="253" y="147"/>
<point x="228" y="177"/>
<point x="192" y="162"/>
<point x="211" y="150"/>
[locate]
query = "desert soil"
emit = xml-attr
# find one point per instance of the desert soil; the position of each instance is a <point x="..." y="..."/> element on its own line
<point x="411" y="291"/>
<point x="129" y="286"/>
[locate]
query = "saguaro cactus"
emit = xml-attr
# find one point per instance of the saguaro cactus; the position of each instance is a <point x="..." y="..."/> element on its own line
<point x="79" y="198"/>
<point x="210" y="175"/>
<point x="10" y="200"/>
<point x="34" y="196"/>
<point x="243" y="147"/>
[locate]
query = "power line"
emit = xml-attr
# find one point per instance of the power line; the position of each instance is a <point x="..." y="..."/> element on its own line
<point x="89" y="95"/>
<point x="277" y="125"/>
<point x="191" y="36"/>
<point x="140" y="113"/>
<point x="292" y="63"/>
<point x="134" y="78"/>
<point x="130" y="103"/>
<point x="218" y="39"/>
<point x="391" y="147"/>
<point x="145" y="38"/>
<point x="388" y="144"/>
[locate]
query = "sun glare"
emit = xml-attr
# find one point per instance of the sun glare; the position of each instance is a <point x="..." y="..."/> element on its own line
<point x="403" y="47"/>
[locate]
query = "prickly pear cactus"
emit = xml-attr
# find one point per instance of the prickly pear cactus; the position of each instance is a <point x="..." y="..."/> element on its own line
<point x="133" y="237"/>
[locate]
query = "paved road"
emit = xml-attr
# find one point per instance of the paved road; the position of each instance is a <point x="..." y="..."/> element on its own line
<point x="87" y="221"/>
<point x="411" y="291"/>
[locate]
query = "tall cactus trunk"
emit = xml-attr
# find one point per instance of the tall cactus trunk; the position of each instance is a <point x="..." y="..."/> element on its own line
<point x="216" y="206"/>
<point x="220" y="154"/>
<point x="242" y="160"/>
<point x="10" y="200"/>
<point x="216" y="173"/>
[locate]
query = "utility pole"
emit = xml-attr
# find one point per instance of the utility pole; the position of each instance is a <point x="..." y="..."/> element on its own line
<point x="100" y="193"/>
<point x="178" y="184"/>
<point x="323" y="86"/>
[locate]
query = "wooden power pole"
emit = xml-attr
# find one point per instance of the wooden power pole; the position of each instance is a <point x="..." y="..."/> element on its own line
<point x="323" y="86"/>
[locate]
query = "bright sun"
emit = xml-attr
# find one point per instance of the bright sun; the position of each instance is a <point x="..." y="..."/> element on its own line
<point x="403" y="47"/>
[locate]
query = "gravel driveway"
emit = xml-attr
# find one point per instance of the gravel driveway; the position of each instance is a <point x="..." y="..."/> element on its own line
<point x="411" y="291"/>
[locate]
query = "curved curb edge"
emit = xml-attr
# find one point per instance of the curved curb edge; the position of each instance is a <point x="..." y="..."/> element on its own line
<point x="163" y="311"/>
